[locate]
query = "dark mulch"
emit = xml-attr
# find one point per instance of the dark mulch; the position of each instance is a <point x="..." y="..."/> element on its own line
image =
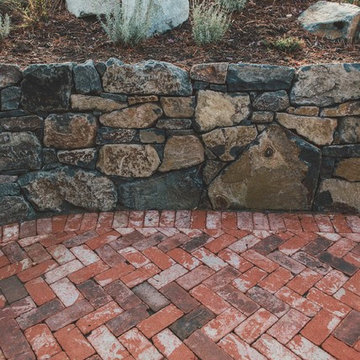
<point x="65" y="38"/>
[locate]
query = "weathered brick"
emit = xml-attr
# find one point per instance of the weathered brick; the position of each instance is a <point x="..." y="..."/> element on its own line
<point x="37" y="253"/>
<point x="69" y="315"/>
<point x="223" y="324"/>
<point x="312" y="262"/>
<point x="244" y="243"/>
<point x="62" y="271"/>
<point x="42" y="341"/>
<point x="338" y="263"/>
<point x="254" y="326"/>
<point x="179" y="297"/>
<point x="304" y="281"/>
<point x="331" y="282"/>
<point x="204" y="348"/>
<point x="22" y="306"/>
<point x="85" y="273"/>
<point x="196" y="243"/>
<point x="13" y="269"/>
<point x="167" y="276"/>
<point x="320" y="327"/>
<point x="249" y="279"/>
<point x="85" y="254"/>
<point x="94" y="293"/>
<point x="150" y="296"/>
<point x="40" y="291"/>
<point x="307" y="350"/>
<point x="339" y="350"/>
<point x="272" y="349"/>
<point x="37" y="270"/>
<point x="13" y="252"/>
<point x="268" y="245"/>
<point x="276" y="280"/>
<point x="109" y="255"/>
<point x="221" y="278"/>
<point x="66" y="291"/>
<point x="114" y="273"/>
<point x="61" y="254"/>
<point x="349" y="329"/>
<point x="287" y="262"/>
<point x="268" y="301"/>
<point x="171" y="346"/>
<point x="74" y="343"/>
<point x="349" y="298"/>
<point x="80" y="239"/>
<point x="209" y="259"/>
<point x="260" y="221"/>
<point x="317" y="246"/>
<point x="13" y="289"/>
<point x="40" y="314"/>
<point x="101" y="240"/>
<point x="184" y="258"/>
<point x="122" y="295"/>
<point x="235" y="260"/>
<point x="139" y="346"/>
<point x="195" y="277"/>
<point x="354" y="284"/>
<point x="127" y="320"/>
<point x="98" y="317"/>
<point x="140" y="275"/>
<point x="159" y="258"/>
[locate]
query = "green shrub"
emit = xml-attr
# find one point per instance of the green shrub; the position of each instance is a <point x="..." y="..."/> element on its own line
<point x="209" y="23"/>
<point x="36" y="11"/>
<point x="129" y="29"/>
<point x="288" y="44"/>
<point x="232" y="5"/>
<point x="5" y="24"/>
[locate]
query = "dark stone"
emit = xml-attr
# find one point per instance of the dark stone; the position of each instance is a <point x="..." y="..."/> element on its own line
<point x="348" y="130"/>
<point x="121" y="98"/>
<point x="338" y="263"/>
<point x="107" y="135"/>
<point x="200" y="85"/>
<point x="9" y="75"/>
<point x="14" y="209"/>
<point x="85" y="158"/>
<point x="10" y="98"/>
<point x="272" y="101"/>
<point x="86" y="78"/>
<point x="341" y="151"/>
<point x="22" y="123"/>
<point x="217" y="87"/>
<point x="19" y="152"/>
<point x="47" y="87"/>
<point x="182" y="189"/>
<point x="8" y="185"/>
<point x="49" y="156"/>
<point x="13" y="113"/>
<point x="327" y="167"/>
<point x="189" y="323"/>
<point x="247" y="77"/>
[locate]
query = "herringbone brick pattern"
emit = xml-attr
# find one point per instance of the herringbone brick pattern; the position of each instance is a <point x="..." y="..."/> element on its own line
<point x="181" y="285"/>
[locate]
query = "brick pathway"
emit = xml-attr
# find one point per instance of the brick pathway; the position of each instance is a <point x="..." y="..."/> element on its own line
<point x="182" y="285"/>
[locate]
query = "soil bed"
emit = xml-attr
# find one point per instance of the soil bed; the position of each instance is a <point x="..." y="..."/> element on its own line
<point x="66" y="38"/>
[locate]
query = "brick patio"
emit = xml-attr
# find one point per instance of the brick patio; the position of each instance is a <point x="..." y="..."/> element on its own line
<point x="181" y="285"/>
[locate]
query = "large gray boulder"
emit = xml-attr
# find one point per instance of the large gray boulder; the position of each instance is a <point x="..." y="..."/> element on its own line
<point x="166" y="14"/>
<point x="332" y="20"/>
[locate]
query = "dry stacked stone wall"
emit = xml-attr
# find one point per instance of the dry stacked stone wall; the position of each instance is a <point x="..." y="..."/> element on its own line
<point x="105" y="136"/>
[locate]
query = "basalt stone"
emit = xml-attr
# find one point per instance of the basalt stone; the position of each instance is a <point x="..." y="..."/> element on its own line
<point x="9" y="75"/>
<point x="211" y="170"/>
<point x="19" y="152"/>
<point x="8" y="185"/>
<point x="212" y="73"/>
<point x="152" y="136"/>
<point x="350" y="108"/>
<point x="174" y="124"/>
<point x="272" y="101"/>
<point x="181" y="190"/>
<point x="319" y="131"/>
<point x="52" y="190"/>
<point x="149" y="77"/>
<point x="84" y="157"/>
<point x="86" y="78"/>
<point x="326" y="84"/>
<point x="349" y="169"/>
<point x="338" y="195"/>
<point x="226" y="143"/>
<point x="107" y="135"/>
<point x="348" y="131"/>
<point x="95" y="103"/>
<point x="342" y="151"/>
<point x="128" y="160"/>
<point x="140" y="116"/>
<point x="182" y="152"/>
<point x="47" y="87"/>
<point x="279" y="171"/>
<point x="49" y="156"/>
<point x="116" y="97"/>
<point x="70" y="131"/>
<point x="216" y="109"/>
<point x="247" y="77"/>
<point x="178" y="107"/>
<point x="10" y="98"/>
<point x="14" y="209"/>
<point x="22" y="123"/>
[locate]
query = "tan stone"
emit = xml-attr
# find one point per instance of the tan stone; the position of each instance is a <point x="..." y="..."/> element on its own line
<point x="269" y="175"/>
<point x="138" y="99"/>
<point x="304" y="110"/>
<point x="128" y="160"/>
<point x="319" y="131"/>
<point x="95" y="103"/>
<point x="262" y="117"/>
<point x="140" y="116"/>
<point x="343" y="193"/>
<point x="215" y="109"/>
<point x="182" y="152"/>
<point x="152" y="136"/>
<point x="213" y="72"/>
<point x="70" y="131"/>
<point x="349" y="169"/>
<point x="228" y="139"/>
<point x="349" y="108"/>
<point x="178" y="107"/>
<point x="80" y="157"/>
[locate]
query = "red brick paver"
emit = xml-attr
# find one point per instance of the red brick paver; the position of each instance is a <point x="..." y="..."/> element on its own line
<point x="182" y="285"/>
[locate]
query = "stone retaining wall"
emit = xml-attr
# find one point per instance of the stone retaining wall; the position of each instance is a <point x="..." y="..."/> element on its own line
<point x="99" y="137"/>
